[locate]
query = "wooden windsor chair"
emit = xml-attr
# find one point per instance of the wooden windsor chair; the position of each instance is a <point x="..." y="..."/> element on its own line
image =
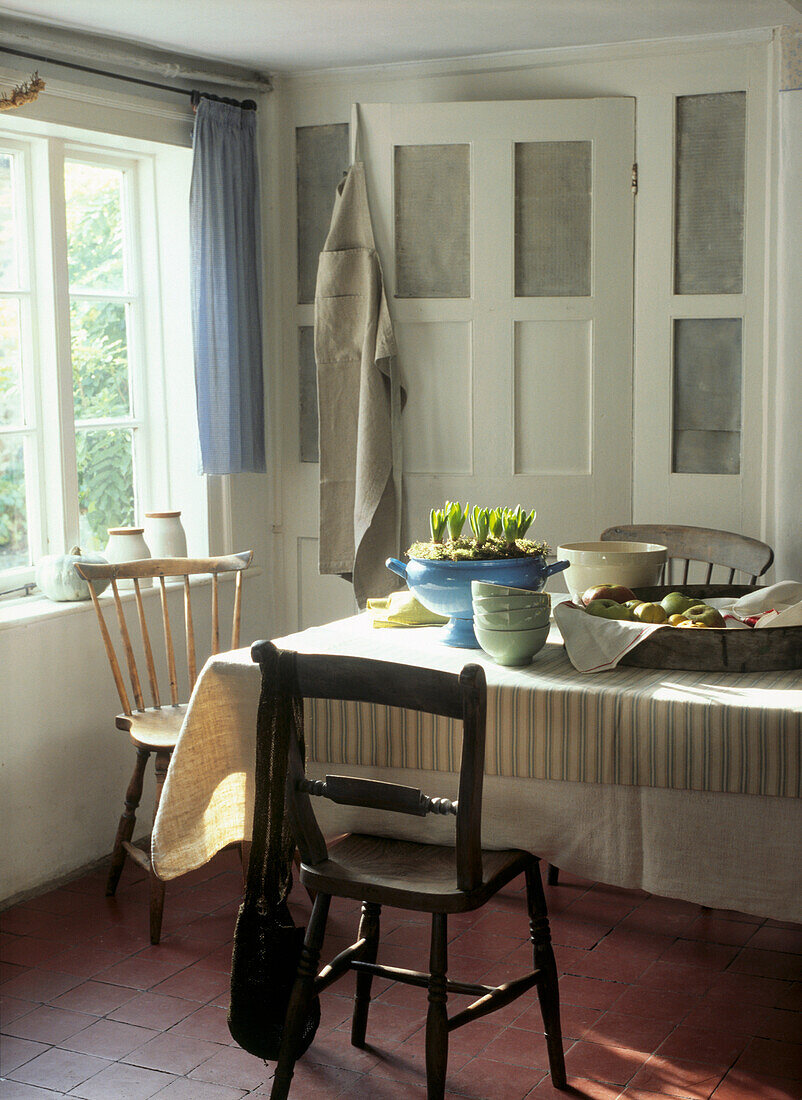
<point x="423" y="877"/>
<point x="725" y="549"/>
<point x="154" y="729"/>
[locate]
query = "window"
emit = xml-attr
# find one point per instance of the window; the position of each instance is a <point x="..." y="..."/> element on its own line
<point x="84" y="429"/>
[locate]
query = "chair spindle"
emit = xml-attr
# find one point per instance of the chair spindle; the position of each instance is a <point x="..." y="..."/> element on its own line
<point x="215" y="616"/>
<point x="237" y="611"/>
<point x="168" y="645"/>
<point x="119" y="683"/>
<point x="193" y="672"/>
<point x="136" y="687"/>
<point x="140" y="610"/>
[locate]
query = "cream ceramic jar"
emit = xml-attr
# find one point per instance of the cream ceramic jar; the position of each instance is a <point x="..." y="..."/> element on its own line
<point x="127" y="544"/>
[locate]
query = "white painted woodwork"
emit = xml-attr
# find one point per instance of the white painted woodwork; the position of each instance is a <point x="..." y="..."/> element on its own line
<point x="515" y="400"/>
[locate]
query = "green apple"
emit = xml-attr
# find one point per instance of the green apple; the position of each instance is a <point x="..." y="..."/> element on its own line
<point x="676" y="603"/>
<point x="707" y="616"/>
<point x="609" y="609"/>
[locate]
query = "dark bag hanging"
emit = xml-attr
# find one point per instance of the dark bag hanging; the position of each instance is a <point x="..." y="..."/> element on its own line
<point x="267" y="944"/>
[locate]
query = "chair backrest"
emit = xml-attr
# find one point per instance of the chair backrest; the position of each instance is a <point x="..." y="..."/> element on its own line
<point x="461" y="696"/>
<point x="136" y="571"/>
<point x="703" y="544"/>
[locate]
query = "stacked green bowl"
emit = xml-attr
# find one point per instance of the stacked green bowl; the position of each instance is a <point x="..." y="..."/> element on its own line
<point x="511" y="624"/>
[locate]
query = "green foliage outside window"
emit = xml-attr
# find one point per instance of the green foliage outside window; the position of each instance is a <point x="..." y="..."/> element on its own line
<point x="99" y="341"/>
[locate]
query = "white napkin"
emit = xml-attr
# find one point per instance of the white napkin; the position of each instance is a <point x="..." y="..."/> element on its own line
<point x="783" y="598"/>
<point x="594" y="644"/>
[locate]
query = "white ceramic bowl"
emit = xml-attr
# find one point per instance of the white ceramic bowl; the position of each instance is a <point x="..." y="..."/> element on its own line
<point x="522" y="618"/>
<point x="634" y="564"/>
<point x="506" y="603"/>
<point x="511" y="647"/>
<point x="490" y="588"/>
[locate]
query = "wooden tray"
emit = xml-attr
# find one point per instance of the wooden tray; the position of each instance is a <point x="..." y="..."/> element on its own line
<point x="713" y="650"/>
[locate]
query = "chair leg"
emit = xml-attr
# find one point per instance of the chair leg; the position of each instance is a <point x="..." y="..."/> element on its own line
<point x="547" y="989"/>
<point x="125" y="828"/>
<point x="156" y="884"/>
<point x="369" y="929"/>
<point x="300" y="997"/>
<point x="436" y="1018"/>
<point x="553" y="876"/>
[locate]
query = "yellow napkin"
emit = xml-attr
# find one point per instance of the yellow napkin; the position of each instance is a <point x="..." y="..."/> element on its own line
<point x="402" y="609"/>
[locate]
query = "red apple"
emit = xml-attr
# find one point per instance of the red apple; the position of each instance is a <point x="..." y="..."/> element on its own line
<point x="616" y="592"/>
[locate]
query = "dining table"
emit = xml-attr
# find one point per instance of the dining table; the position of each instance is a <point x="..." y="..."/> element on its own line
<point x="685" y="784"/>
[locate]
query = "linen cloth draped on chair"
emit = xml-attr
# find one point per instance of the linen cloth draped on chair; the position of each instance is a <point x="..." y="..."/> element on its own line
<point x="226" y="289"/>
<point x="359" y="401"/>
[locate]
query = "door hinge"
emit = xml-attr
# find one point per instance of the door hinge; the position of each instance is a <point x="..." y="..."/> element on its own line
<point x="634" y="179"/>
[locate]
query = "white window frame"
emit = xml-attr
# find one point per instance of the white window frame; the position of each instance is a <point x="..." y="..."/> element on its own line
<point x="50" y="456"/>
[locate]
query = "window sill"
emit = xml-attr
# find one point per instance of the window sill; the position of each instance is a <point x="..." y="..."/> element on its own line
<point x="25" y="610"/>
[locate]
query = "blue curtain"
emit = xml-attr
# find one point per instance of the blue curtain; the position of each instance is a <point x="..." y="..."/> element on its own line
<point x="226" y="289"/>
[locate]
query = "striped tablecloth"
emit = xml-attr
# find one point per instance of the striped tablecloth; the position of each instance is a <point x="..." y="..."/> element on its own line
<point x="684" y="730"/>
<point x="682" y="783"/>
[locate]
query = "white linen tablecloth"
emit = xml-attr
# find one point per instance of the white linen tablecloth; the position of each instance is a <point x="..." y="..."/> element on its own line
<point x="685" y="784"/>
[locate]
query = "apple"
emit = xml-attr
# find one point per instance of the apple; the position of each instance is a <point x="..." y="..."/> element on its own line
<point x="704" y="615"/>
<point x="608" y="609"/>
<point x="676" y="603"/>
<point x="650" y="613"/>
<point x="615" y="592"/>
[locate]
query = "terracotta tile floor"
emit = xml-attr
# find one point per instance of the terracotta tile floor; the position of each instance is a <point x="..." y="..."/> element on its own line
<point x="660" y="999"/>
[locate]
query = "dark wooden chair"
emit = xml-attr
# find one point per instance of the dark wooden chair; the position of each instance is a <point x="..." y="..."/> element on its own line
<point x="154" y="729"/>
<point x="723" y="549"/>
<point x="423" y="877"/>
<point x="713" y="548"/>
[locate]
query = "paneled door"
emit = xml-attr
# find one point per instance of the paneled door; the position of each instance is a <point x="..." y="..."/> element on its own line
<point x="506" y="234"/>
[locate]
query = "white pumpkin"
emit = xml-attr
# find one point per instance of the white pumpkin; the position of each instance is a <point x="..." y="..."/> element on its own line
<point x="58" y="578"/>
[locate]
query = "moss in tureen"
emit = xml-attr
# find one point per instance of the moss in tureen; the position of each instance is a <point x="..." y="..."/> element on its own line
<point x="498" y="534"/>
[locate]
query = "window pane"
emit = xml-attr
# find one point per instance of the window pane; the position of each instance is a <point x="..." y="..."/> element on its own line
<point x="13" y="511"/>
<point x="9" y="271"/>
<point x="94" y="226"/>
<point x="321" y="157"/>
<point x="433" y="221"/>
<point x="707" y="395"/>
<point x="711" y="155"/>
<point x="10" y="364"/>
<point x="100" y="380"/>
<point x="552" y="218"/>
<point x="105" y="482"/>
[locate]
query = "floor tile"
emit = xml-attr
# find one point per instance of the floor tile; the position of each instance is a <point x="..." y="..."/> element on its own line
<point x="483" y="1078"/>
<point x="39" y="985"/>
<point x="11" y="1008"/>
<point x="676" y="1078"/>
<point x="208" y="1023"/>
<point x="234" y="1067"/>
<point x="16" y="1052"/>
<point x="194" y="984"/>
<point x="49" y="1025"/>
<point x="768" y="964"/>
<point x="121" y="1082"/>
<point x="702" y="1045"/>
<point x="613" y="1064"/>
<point x="109" y="1039"/>
<point x="745" y="1085"/>
<point x="96" y="998"/>
<point x="773" y="1057"/>
<point x="183" y="1089"/>
<point x="16" y="1090"/>
<point x="171" y="1053"/>
<point x="153" y="1010"/>
<point x="60" y="1070"/>
<point x="635" y="1032"/>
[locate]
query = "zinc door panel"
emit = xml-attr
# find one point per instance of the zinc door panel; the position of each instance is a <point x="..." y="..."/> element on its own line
<point x="535" y="408"/>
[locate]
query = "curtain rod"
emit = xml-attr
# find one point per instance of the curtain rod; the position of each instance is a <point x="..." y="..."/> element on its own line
<point x="245" y="104"/>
